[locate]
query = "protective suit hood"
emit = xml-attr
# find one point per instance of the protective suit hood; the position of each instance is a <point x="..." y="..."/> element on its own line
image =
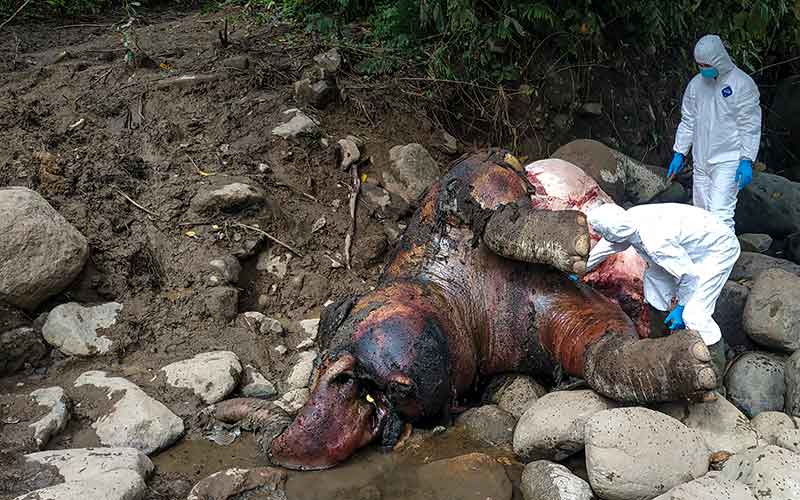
<point x="613" y="223"/>
<point x="710" y="50"/>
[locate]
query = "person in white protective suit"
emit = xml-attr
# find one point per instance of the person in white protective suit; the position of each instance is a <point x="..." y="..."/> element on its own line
<point x="721" y="123"/>
<point x="689" y="254"/>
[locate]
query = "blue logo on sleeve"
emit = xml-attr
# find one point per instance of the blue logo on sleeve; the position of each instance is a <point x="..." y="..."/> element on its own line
<point x="727" y="91"/>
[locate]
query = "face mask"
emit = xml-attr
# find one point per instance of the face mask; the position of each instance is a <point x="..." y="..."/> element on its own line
<point x="709" y="72"/>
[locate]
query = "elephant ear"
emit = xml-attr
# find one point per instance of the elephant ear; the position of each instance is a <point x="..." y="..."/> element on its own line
<point x="331" y="318"/>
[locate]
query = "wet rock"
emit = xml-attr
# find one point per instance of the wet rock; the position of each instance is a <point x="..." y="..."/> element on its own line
<point x="772" y="312"/>
<point x="489" y="424"/>
<point x="299" y="125"/>
<point x="221" y="302"/>
<point x="792" y="383"/>
<point x="228" y="268"/>
<point x="750" y="265"/>
<point x="265" y="483"/>
<point x="56" y="404"/>
<point x="210" y="375"/>
<point x="255" y="385"/>
<point x="769" y="424"/>
<point x="84" y="463"/>
<point x="721" y="424"/>
<point x="30" y="420"/>
<point x="553" y="427"/>
<point x="411" y="172"/>
<point x="41" y="252"/>
<point x="227" y="196"/>
<point x="543" y="480"/>
<point x="592" y="108"/>
<point x="729" y="315"/>
<point x="473" y="476"/>
<point x="301" y="371"/>
<point x="75" y="330"/>
<point x="789" y="439"/>
<point x="124" y="416"/>
<point x="292" y="401"/>
<point x="637" y="453"/>
<point x="19" y="347"/>
<point x="769" y="205"/>
<point x="121" y="484"/>
<point x="317" y="93"/>
<point x="599" y="163"/>
<point x="514" y="393"/>
<point x="709" y="488"/>
<point x="330" y="61"/>
<point x="755" y="383"/>
<point x="772" y="473"/>
<point x="751" y="242"/>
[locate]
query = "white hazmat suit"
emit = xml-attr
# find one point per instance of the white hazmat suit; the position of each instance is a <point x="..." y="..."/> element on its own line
<point x="689" y="256"/>
<point x="721" y="123"/>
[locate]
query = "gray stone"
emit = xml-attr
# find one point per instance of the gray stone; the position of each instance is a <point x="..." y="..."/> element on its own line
<point x="450" y="144"/>
<point x="236" y="62"/>
<point x="637" y="454"/>
<point x="792" y="248"/>
<point x="772" y="312"/>
<point x="41" y="252"/>
<point x="222" y="302"/>
<point x="56" y="418"/>
<point x="545" y="480"/>
<point x="84" y="463"/>
<point x="310" y="327"/>
<point x="317" y="93"/>
<point x="274" y="263"/>
<point x="19" y="347"/>
<point x="255" y="385"/>
<point x="729" y="314"/>
<point x="376" y="196"/>
<point x="330" y="61"/>
<point x="300" y="124"/>
<point x="709" y="488"/>
<point x="562" y="121"/>
<point x="301" y="371"/>
<point x="227" y="196"/>
<point x="489" y="424"/>
<point x="514" y="393"/>
<point x="769" y="424"/>
<point x="348" y="153"/>
<point x="121" y="484"/>
<point x="750" y="265"/>
<point x="209" y="375"/>
<point x="411" y="172"/>
<point x="133" y="420"/>
<point x="755" y="383"/>
<point x="292" y="401"/>
<point x="73" y="329"/>
<point x="751" y="242"/>
<point x="769" y="205"/>
<point x="228" y="267"/>
<point x="592" y="108"/>
<point x="598" y="162"/>
<point x="264" y="483"/>
<point x="553" y="427"/>
<point x="792" y="383"/>
<point x="772" y="473"/>
<point x="789" y="439"/>
<point x="721" y="424"/>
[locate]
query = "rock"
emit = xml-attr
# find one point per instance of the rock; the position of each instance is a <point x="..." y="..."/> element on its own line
<point x="769" y="205"/>
<point x="792" y="248"/>
<point x="729" y="314"/>
<point x="305" y="344"/>
<point x="543" y="480"/>
<point x="599" y="163"/>
<point x="124" y="416"/>
<point x="647" y="183"/>
<point x="310" y="327"/>
<point x="489" y="424"/>
<point x="73" y="329"/>
<point x="265" y="483"/>
<point x="514" y="393"/>
<point x="751" y="242"/>
<point x="222" y="302"/>
<point x="330" y="61"/>
<point x="56" y="404"/>
<point x="41" y="252"/>
<point x="450" y="144"/>
<point x="789" y="439"/>
<point x="254" y="320"/>
<point x="721" y="424"/>
<point x="280" y="349"/>
<point x="562" y="121"/>
<point x="792" y="383"/>
<point x="474" y="476"/>
<point x="293" y="400"/>
<point x="121" y="484"/>
<point x="228" y="267"/>
<point x="211" y="376"/>
<point x="772" y="312"/>
<point x="376" y="196"/>
<point x="750" y="265"/>
<point x="84" y="463"/>
<point x="755" y="383"/>
<point x="19" y="347"/>
<point x="301" y="371"/>
<point x="411" y="172"/>
<point x="772" y="473"/>
<point x="30" y="420"/>
<point x="348" y="153"/>
<point x="11" y="317"/>
<point x="236" y="62"/>
<point x="255" y="385"/>
<point x="228" y="197"/>
<point x="592" y="108"/>
<point x="553" y="427"/>
<point x="299" y="125"/>
<point x="637" y="453"/>
<point x="317" y="93"/>
<point x="274" y="263"/>
<point x="769" y="424"/>
<point x="708" y="488"/>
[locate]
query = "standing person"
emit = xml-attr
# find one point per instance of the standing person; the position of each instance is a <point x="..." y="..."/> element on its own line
<point x="721" y="123"/>
<point x="689" y="254"/>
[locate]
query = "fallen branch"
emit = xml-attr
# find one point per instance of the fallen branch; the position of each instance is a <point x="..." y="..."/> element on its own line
<point x="83" y="26"/>
<point x="15" y="13"/>
<point x="137" y="205"/>
<point x="270" y="237"/>
<point x="348" y="240"/>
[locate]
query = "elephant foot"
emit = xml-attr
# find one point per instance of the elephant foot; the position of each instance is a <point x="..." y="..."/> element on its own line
<point x="651" y="370"/>
<point x="557" y="238"/>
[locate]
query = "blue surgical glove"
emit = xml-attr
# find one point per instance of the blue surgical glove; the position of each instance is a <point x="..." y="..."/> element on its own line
<point x="573" y="277"/>
<point x="674" y="319"/>
<point x="744" y="174"/>
<point x="676" y="164"/>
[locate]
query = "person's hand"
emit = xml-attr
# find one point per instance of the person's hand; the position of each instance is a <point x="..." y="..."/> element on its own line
<point x="744" y="174"/>
<point x="674" y="319"/>
<point x="676" y="164"/>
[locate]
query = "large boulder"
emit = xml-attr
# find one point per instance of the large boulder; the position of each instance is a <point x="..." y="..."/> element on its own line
<point x="755" y="383"/>
<point x="769" y="424"/>
<point x="638" y="454"/>
<point x="209" y="375"/>
<point x="789" y="439"/>
<point x="75" y="330"/>
<point x="709" y="488"/>
<point x="489" y="424"/>
<point x="769" y="205"/>
<point x="729" y="313"/>
<point x="772" y="313"/>
<point x="513" y="393"/>
<point x="553" y="427"/>
<point x="792" y="383"/>
<point x="411" y="171"/>
<point x="771" y="472"/>
<point x="750" y="265"/>
<point x="19" y="347"/>
<point x="41" y="252"/>
<point x="120" y="484"/>
<point x="599" y="163"/>
<point x="543" y="480"/>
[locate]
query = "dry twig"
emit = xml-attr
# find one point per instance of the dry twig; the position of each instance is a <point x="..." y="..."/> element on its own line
<point x="15" y="13"/>
<point x="137" y="205"/>
<point x="270" y="237"/>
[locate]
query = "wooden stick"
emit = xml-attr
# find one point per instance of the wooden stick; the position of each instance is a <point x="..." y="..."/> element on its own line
<point x="137" y="205"/>
<point x="83" y="26"/>
<point x="348" y="239"/>
<point x="15" y="14"/>
<point x="270" y="237"/>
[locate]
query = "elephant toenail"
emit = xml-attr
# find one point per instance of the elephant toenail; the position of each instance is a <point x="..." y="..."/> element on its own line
<point x="700" y="352"/>
<point x="707" y="378"/>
